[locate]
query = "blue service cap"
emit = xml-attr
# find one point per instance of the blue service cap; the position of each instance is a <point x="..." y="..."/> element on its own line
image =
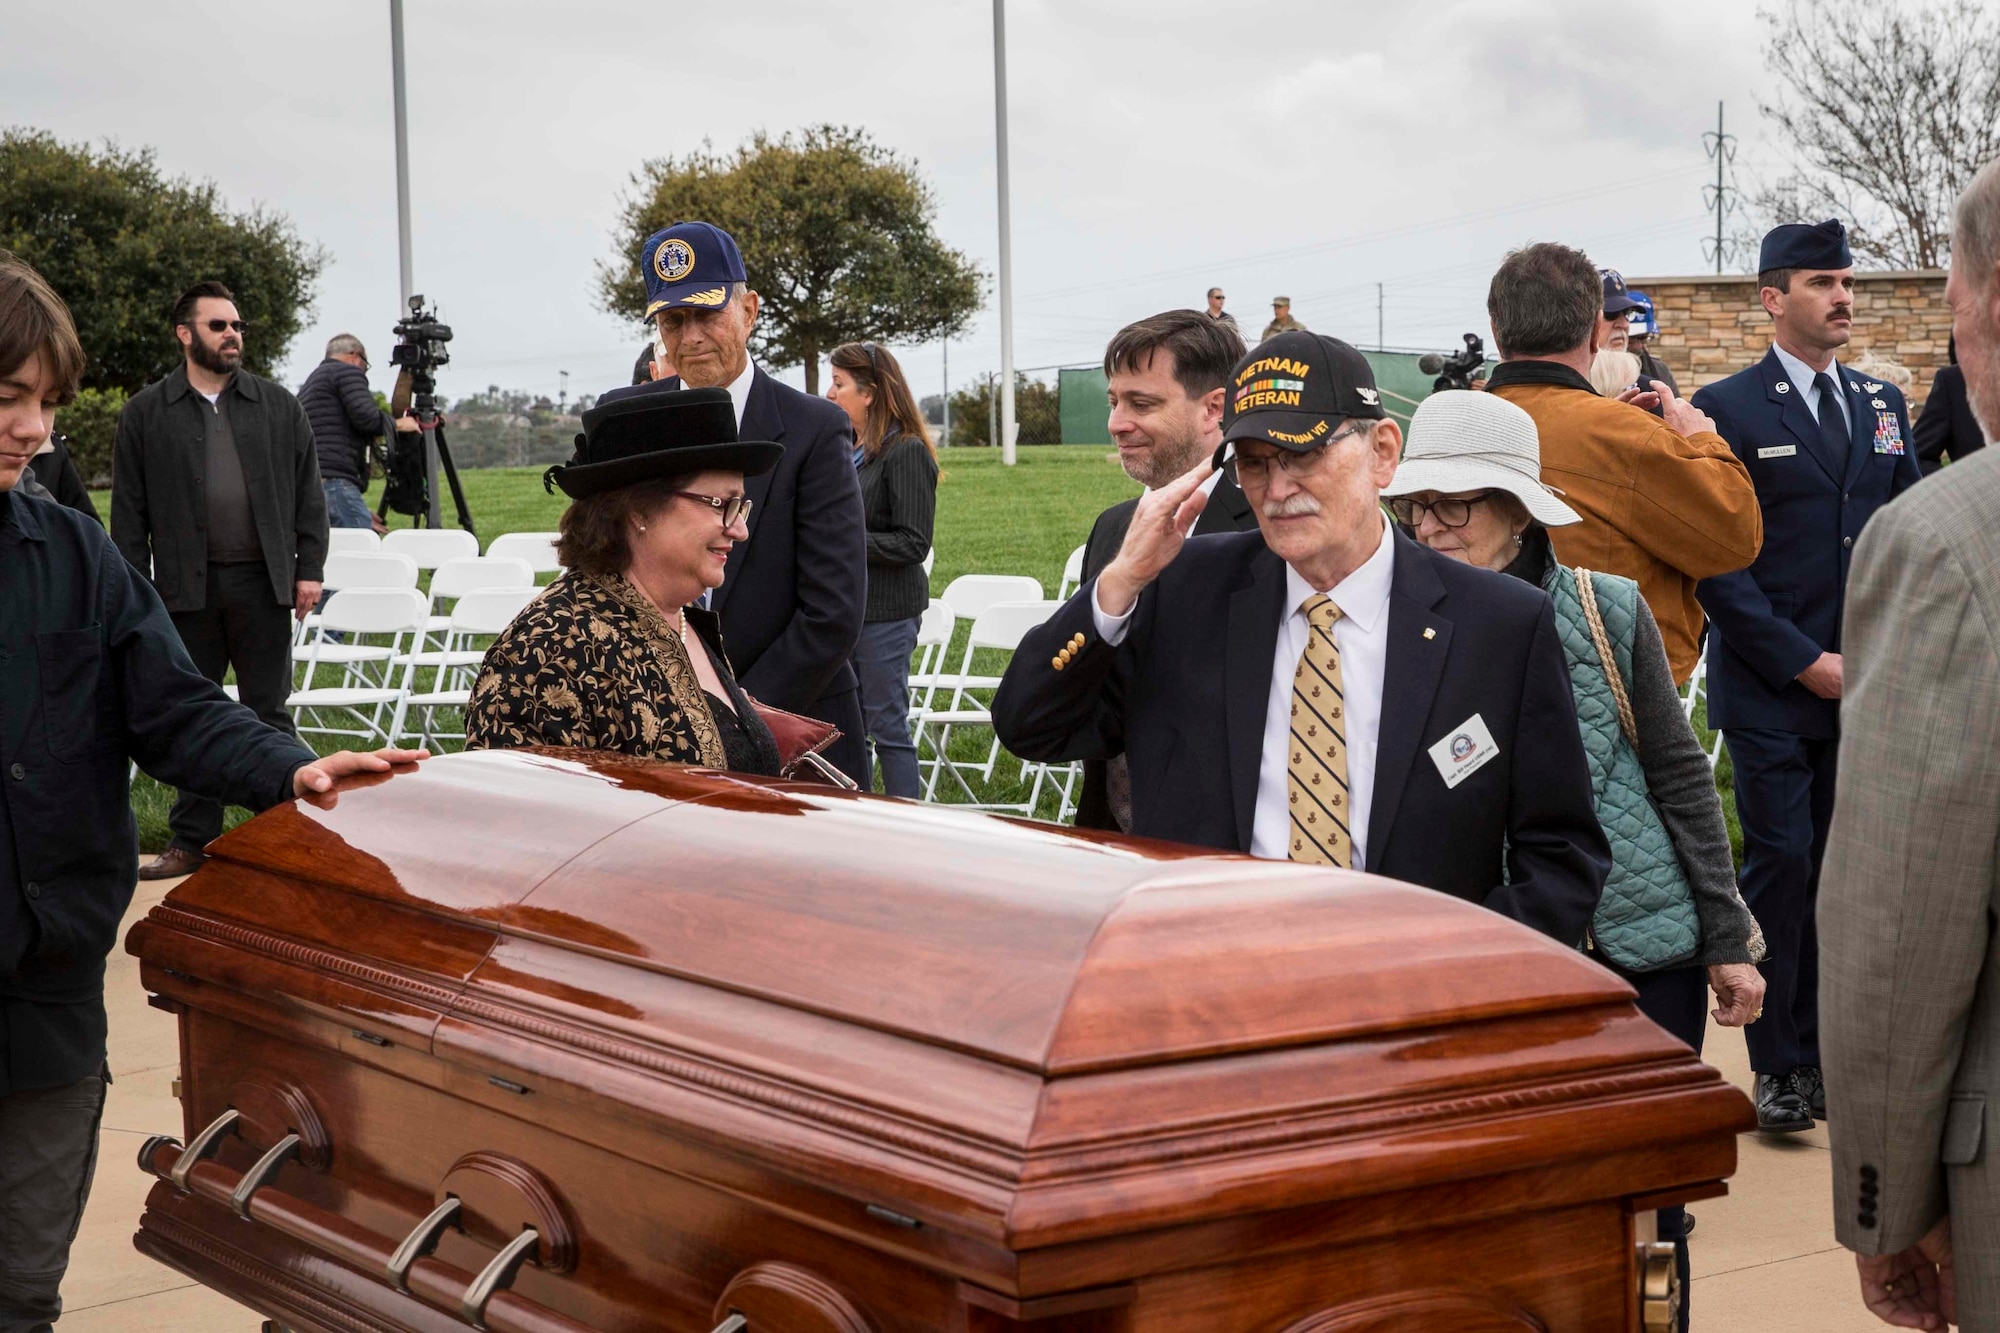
<point x="1796" y="245"/>
<point x="690" y="264"/>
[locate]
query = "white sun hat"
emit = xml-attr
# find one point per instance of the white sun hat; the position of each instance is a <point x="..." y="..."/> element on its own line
<point x="1469" y="440"/>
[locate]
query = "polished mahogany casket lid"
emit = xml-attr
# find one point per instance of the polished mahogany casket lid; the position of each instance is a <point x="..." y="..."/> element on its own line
<point x="990" y="1037"/>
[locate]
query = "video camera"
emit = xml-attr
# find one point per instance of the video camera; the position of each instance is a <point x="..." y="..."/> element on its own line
<point x="422" y="339"/>
<point x="415" y="458"/>
<point x="1455" y="370"/>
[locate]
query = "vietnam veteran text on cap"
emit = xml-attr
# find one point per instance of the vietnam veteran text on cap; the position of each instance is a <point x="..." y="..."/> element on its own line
<point x="1295" y="387"/>
<point x="1796" y="245"/>
<point x="690" y="264"/>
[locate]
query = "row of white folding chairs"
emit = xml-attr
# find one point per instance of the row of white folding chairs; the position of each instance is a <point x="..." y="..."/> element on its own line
<point x="389" y="625"/>
<point x="352" y="571"/>
<point x="432" y="547"/>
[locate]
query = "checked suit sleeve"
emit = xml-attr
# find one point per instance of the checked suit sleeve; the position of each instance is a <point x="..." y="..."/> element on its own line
<point x="1060" y="699"/>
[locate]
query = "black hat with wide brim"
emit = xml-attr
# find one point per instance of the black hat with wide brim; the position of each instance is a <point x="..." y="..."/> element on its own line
<point x="659" y="430"/>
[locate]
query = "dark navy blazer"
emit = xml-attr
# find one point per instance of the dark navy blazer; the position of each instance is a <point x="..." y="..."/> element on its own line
<point x="1771" y="621"/>
<point x="793" y="596"/>
<point x="1184" y="696"/>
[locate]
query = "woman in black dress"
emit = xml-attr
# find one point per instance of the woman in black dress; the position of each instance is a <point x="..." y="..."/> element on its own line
<point x="618" y="654"/>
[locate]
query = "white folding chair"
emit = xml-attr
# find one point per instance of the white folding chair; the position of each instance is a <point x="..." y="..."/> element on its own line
<point x="455" y="578"/>
<point x="352" y="569"/>
<point x="1072" y="575"/>
<point x="999" y="627"/>
<point x="431" y="547"/>
<point x="968" y="595"/>
<point x="479" y="614"/>
<point x="361" y="615"/>
<point x="1697" y="690"/>
<point x="361" y="541"/>
<point x="537" y="548"/>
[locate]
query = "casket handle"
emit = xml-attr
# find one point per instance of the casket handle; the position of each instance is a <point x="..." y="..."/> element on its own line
<point x="205" y="1144"/>
<point x="420" y="1242"/>
<point x="500" y="1273"/>
<point x="260" y="1175"/>
<point x="736" y="1323"/>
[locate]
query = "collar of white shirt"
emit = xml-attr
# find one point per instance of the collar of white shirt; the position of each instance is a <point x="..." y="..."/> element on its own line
<point x="1363" y="596"/>
<point x="1801" y="376"/>
<point x="739" y="389"/>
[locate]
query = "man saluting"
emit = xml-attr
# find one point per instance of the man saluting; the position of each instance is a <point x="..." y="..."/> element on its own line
<point x="1382" y="707"/>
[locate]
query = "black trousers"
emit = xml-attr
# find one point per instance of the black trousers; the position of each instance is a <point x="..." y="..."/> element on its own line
<point x="241" y="626"/>
<point x="849" y="754"/>
<point x="1677" y="999"/>
<point x="1784" y="800"/>
<point x="48" y="1156"/>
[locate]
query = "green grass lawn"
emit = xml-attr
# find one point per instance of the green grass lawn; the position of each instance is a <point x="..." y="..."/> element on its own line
<point x="990" y="520"/>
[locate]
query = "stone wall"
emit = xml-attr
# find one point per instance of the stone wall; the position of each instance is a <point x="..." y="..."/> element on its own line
<point x="1711" y="327"/>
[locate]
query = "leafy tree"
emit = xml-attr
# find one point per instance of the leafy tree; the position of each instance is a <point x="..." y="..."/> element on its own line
<point x="837" y="239"/>
<point x="1893" y="109"/>
<point x="90" y="423"/>
<point x="1037" y="409"/>
<point x="121" y="242"/>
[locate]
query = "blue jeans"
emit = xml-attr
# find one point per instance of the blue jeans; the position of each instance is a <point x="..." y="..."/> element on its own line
<point x="344" y="506"/>
<point x="882" y="661"/>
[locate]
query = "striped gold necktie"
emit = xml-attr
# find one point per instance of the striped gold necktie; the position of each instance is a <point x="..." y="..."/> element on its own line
<point x="1317" y="768"/>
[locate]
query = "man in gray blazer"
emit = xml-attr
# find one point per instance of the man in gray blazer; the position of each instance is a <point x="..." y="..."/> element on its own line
<point x="1910" y="961"/>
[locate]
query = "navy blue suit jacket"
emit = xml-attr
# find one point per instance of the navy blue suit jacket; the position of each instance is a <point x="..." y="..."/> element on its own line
<point x="792" y="597"/>
<point x="1771" y="621"/>
<point x="1183" y="697"/>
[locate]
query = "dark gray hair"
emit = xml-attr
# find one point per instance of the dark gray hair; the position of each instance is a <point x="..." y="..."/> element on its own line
<point x="1545" y="300"/>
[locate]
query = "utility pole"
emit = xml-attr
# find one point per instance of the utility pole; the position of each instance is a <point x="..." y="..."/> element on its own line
<point x="1006" y="440"/>
<point x="1720" y="196"/>
<point x="402" y="151"/>
<point x="1378" y="317"/>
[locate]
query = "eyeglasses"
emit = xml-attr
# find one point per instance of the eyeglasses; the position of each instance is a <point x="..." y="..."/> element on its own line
<point x="1451" y="512"/>
<point x="218" y="325"/>
<point x="731" y="507"/>
<point x="1256" y="471"/>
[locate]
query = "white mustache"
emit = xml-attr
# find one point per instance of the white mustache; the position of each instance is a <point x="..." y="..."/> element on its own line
<point x="1293" y="506"/>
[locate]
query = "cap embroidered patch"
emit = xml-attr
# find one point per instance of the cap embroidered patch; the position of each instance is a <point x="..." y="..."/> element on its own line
<point x="713" y="296"/>
<point x="674" y="259"/>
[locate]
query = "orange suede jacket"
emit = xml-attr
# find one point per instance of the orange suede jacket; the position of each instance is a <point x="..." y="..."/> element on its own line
<point x="1664" y="509"/>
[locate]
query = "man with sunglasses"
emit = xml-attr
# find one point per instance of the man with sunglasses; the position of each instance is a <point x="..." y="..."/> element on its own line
<point x="1324" y="690"/>
<point x="216" y="498"/>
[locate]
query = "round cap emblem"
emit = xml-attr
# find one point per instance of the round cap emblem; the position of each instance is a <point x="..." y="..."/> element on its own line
<point x="674" y="260"/>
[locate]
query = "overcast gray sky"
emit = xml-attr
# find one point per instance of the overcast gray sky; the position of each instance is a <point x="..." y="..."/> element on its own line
<point x="1159" y="146"/>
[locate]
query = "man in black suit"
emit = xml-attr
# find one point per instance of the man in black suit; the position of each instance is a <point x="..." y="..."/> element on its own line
<point x="793" y="596"/>
<point x="1165" y="376"/>
<point x="1329" y="692"/>
<point x="1946" y="427"/>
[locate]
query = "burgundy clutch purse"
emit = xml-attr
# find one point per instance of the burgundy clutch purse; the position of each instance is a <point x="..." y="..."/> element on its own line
<point x="800" y="740"/>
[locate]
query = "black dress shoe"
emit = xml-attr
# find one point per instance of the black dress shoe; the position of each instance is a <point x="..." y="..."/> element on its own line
<point x="1781" y="1108"/>
<point x="1813" y="1088"/>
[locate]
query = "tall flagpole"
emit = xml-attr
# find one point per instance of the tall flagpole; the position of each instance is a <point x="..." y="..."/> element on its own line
<point x="1006" y="235"/>
<point x="402" y="150"/>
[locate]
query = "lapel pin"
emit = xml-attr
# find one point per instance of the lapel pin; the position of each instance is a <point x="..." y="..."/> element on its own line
<point x="1870" y="387"/>
<point x="1430" y="633"/>
<point x="1877" y="404"/>
<point x="1784" y="386"/>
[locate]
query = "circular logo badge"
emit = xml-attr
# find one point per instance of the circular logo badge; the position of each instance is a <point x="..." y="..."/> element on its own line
<point x="674" y="260"/>
<point x="1462" y="745"/>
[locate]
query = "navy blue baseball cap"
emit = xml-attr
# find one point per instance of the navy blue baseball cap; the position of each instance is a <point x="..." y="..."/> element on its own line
<point x="1796" y="245"/>
<point x="1617" y="300"/>
<point x="690" y="264"/>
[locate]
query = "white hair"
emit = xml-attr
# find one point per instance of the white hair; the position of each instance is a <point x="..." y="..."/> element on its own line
<point x="344" y="344"/>
<point x="1975" y="229"/>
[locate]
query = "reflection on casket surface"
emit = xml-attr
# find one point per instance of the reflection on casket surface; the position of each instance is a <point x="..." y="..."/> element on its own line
<point x="835" y="1061"/>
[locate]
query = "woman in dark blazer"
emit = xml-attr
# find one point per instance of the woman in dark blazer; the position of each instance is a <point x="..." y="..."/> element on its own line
<point x="899" y="474"/>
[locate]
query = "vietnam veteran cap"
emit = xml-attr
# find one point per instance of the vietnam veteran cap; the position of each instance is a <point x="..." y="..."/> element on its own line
<point x="690" y="264"/>
<point x="1796" y="245"/>
<point x="1295" y="388"/>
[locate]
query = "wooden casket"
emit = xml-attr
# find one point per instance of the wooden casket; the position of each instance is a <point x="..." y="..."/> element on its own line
<point x="541" y="1043"/>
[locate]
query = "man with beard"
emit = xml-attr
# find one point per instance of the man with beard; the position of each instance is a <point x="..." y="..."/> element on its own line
<point x="216" y="498"/>
<point x="1165" y="378"/>
<point x="1826" y="447"/>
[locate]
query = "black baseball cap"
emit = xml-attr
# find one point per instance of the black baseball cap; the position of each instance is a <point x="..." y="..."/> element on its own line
<point x="1294" y="389"/>
<point x="1617" y="300"/>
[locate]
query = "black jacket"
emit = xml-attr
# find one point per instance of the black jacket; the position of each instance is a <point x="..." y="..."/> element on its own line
<point x="1184" y="696"/>
<point x="344" y="417"/>
<point x="56" y="470"/>
<point x="1228" y="510"/>
<point x="157" y="511"/>
<point x="92" y="677"/>
<point x="1946" y="427"/>
<point x="791" y="600"/>
<point x="899" y="504"/>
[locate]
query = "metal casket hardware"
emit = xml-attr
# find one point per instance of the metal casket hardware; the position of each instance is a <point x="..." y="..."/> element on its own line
<point x="736" y="1323"/>
<point x="258" y="1176"/>
<point x="500" y="1273"/>
<point x="420" y="1242"/>
<point x="204" y="1145"/>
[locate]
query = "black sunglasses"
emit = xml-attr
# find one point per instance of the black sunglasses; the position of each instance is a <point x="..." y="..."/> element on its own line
<point x="731" y="507"/>
<point x="218" y="325"/>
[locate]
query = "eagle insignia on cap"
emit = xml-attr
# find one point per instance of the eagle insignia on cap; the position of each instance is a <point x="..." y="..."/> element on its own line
<point x="713" y="296"/>
<point x="1368" y="395"/>
<point x="674" y="259"/>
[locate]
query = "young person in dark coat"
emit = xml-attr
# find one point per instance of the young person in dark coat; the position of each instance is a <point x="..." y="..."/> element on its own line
<point x="794" y="594"/>
<point x="216" y="497"/>
<point x="1826" y="448"/>
<point x="345" y="420"/>
<point x="1165" y="378"/>
<point x="1326" y="690"/>
<point x="93" y="678"/>
<point x="1946" y="427"/>
<point x="899" y="475"/>
<point x="55" y="471"/>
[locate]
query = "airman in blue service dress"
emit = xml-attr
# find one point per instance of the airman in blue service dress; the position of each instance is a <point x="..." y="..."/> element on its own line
<point x="1826" y="448"/>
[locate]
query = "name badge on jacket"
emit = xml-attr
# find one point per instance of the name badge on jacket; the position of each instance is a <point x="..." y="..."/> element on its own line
<point x="1465" y="750"/>
<point x="1778" y="451"/>
<point x="1888" y="434"/>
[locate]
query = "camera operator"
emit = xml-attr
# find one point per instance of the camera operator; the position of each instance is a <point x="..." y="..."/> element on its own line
<point x="1664" y="503"/>
<point x="345" y="420"/>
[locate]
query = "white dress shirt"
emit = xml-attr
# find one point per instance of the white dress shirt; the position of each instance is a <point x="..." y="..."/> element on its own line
<point x="739" y="389"/>
<point x="1801" y="376"/>
<point x="1362" y="635"/>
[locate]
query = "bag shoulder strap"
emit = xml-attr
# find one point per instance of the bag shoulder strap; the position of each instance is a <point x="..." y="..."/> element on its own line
<point x="1586" y="591"/>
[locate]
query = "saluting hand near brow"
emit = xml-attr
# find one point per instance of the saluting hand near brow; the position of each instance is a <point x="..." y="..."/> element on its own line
<point x="1159" y="530"/>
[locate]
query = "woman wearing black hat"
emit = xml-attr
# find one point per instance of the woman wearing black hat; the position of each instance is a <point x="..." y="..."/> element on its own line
<point x="616" y="654"/>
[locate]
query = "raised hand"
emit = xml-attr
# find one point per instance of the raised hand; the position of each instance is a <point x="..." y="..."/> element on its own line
<point x="1158" y="531"/>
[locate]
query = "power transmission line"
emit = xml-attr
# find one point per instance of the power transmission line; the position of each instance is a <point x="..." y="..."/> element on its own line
<point x="1721" y="196"/>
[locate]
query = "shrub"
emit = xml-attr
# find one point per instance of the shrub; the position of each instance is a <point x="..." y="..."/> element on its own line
<point x="90" y="424"/>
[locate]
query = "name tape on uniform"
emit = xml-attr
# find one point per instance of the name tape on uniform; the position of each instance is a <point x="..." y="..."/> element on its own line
<point x="1778" y="451"/>
<point x="1466" y="749"/>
